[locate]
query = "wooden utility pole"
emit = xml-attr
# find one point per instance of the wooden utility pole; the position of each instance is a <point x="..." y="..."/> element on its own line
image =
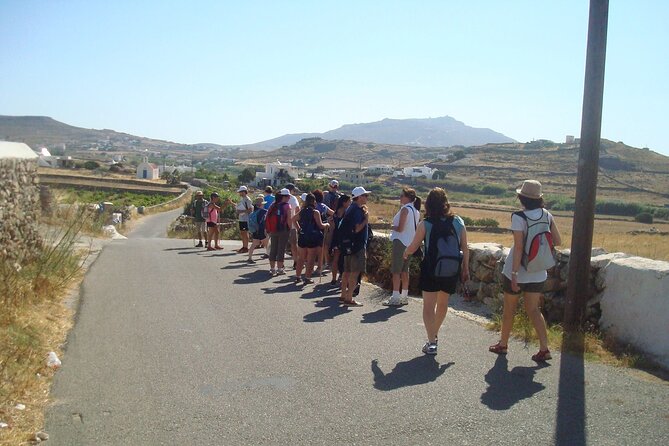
<point x="578" y="285"/>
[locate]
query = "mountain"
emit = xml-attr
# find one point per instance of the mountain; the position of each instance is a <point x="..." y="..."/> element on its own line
<point x="431" y="132"/>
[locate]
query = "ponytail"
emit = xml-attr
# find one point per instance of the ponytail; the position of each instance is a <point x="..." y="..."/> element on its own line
<point x="411" y="195"/>
<point x="417" y="202"/>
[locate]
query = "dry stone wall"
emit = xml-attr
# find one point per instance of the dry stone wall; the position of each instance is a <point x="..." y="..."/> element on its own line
<point x="19" y="209"/>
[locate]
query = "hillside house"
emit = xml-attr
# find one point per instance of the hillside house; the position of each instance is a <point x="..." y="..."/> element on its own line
<point x="147" y="170"/>
<point x="379" y="169"/>
<point x="275" y="174"/>
<point x="356" y="177"/>
<point x="415" y="172"/>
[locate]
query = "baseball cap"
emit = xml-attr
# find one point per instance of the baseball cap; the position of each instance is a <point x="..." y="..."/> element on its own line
<point x="303" y="197"/>
<point x="214" y="195"/>
<point x="358" y="191"/>
<point x="284" y="191"/>
<point x="291" y="186"/>
<point x="334" y="183"/>
<point x="242" y="189"/>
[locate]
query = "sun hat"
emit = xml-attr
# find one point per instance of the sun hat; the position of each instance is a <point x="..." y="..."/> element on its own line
<point x="303" y="197"/>
<point x="242" y="189"/>
<point x="530" y="189"/>
<point x="199" y="193"/>
<point x="334" y="183"/>
<point x="358" y="191"/>
<point x="284" y="191"/>
<point x="260" y="198"/>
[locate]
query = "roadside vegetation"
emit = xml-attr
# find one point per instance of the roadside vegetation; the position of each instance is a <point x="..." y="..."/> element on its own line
<point x="119" y="198"/>
<point x="34" y="321"/>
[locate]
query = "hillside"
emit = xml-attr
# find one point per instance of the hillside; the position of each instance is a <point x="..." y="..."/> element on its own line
<point x="431" y="132"/>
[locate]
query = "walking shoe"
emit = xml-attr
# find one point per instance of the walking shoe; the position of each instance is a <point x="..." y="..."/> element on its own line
<point x="264" y="256"/>
<point x="308" y="280"/>
<point x="243" y="250"/>
<point x="280" y="272"/>
<point x="250" y="261"/>
<point x="209" y="248"/>
<point x="272" y="272"/>
<point x="297" y="279"/>
<point x="430" y="348"/>
<point x="393" y="301"/>
<point x="199" y="245"/>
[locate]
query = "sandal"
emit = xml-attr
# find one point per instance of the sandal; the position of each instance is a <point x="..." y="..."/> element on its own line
<point x="542" y="356"/>
<point x="352" y="303"/>
<point x="499" y="349"/>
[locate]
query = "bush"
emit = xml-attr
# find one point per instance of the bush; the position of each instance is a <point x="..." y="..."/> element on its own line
<point x="644" y="217"/>
<point x="91" y="165"/>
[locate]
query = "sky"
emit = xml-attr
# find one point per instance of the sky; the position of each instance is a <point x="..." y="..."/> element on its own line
<point x="237" y="72"/>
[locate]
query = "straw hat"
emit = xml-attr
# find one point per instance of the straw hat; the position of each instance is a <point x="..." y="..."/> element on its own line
<point x="530" y="189"/>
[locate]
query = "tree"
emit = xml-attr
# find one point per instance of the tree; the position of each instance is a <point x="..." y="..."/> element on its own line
<point x="246" y="176"/>
<point x="438" y="175"/>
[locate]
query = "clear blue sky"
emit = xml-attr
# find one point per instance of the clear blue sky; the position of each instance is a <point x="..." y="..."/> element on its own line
<point x="233" y="72"/>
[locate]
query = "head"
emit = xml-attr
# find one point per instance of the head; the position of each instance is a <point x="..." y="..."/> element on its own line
<point x="530" y="195"/>
<point x="199" y="195"/>
<point x="269" y="190"/>
<point x="259" y="201"/>
<point x="318" y="194"/>
<point x="309" y="201"/>
<point x="243" y="191"/>
<point x="408" y="195"/>
<point x="293" y="190"/>
<point x="436" y="204"/>
<point x="283" y="195"/>
<point x="343" y="202"/>
<point x="214" y="197"/>
<point x="334" y="185"/>
<point x="360" y="195"/>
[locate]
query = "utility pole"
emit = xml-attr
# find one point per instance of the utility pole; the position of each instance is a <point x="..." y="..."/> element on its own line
<point x="578" y="284"/>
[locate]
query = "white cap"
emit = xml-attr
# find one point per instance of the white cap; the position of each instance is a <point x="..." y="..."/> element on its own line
<point x="334" y="183"/>
<point x="359" y="191"/>
<point x="284" y="191"/>
<point x="242" y="189"/>
<point x="303" y="197"/>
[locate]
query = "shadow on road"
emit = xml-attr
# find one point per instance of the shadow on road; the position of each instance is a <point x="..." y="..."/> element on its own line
<point x="419" y="370"/>
<point x="320" y="290"/>
<point x="289" y="287"/>
<point x="255" y="276"/>
<point x="239" y="264"/>
<point x="570" y="417"/>
<point x="381" y="315"/>
<point x="507" y="387"/>
<point x="189" y="248"/>
<point x="332" y="309"/>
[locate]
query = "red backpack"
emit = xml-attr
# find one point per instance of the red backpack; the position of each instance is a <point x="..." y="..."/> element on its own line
<point x="272" y="220"/>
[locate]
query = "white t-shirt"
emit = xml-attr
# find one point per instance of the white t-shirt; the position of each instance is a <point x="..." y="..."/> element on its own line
<point x="519" y="224"/>
<point x="410" y="223"/>
<point x="243" y="205"/>
<point x="294" y="209"/>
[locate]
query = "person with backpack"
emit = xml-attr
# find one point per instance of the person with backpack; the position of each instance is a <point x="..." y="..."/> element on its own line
<point x="244" y="208"/>
<point x="535" y="234"/>
<point x="446" y="260"/>
<point x="310" y="237"/>
<point x="336" y="259"/>
<point x="353" y="244"/>
<point x="326" y="216"/>
<point x="277" y="224"/>
<point x="198" y="211"/>
<point x="402" y="233"/>
<point x="257" y="226"/>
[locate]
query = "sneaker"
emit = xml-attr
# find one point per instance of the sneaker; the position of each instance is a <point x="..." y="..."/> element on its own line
<point x="264" y="256"/>
<point x="308" y="280"/>
<point x="199" y="245"/>
<point x="392" y="302"/>
<point x="297" y="279"/>
<point x="272" y="272"/>
<point x="250" y="261"/>
<point x="430" y="348"/>
<point x="280" y="272"/>
<point x="356" y="291"/>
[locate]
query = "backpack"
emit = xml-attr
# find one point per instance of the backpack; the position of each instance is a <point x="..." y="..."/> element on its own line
<point x="273" y="221"/>
<point x="254" y="224"/>
<point x="538" y="247"/>
<point x="443" y="258"/>
<point x="310" y="234"/>
<point x="203" y="210"/>
<point x="331" y="198"/>
<point x="350" y="242"/>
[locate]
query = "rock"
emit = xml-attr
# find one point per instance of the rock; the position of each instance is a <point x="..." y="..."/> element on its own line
<point x="53" y="361"/>
<point x="42" y="436"/>
<point x="20" y="407"/>
<point x="3" y="425"/>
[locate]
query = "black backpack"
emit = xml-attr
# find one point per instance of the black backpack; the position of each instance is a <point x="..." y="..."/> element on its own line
<point x="350" y="242"/>
<point x="309" y="234"/>
<point x="443" y="258"/>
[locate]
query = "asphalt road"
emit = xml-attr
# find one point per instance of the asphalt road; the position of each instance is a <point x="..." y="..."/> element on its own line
<point x="178" y="346"/>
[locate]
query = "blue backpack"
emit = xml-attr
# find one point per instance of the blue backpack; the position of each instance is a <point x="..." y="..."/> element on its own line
<point x="256" y="219"/>
<point x="443" y="259"/>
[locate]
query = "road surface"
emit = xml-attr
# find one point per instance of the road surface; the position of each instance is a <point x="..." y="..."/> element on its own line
<point x="174" y="345"/>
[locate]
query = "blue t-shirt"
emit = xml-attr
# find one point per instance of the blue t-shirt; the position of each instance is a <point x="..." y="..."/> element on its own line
<point x="458" y="224"/>
<point x="269" y="199"/>
<point x="358" y="217"/>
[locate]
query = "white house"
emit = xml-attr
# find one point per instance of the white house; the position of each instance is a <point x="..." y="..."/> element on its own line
<point x="147" y="170"/>
<point x="170" y="169"/>
<point x="380" y="169"/>
<point x="356" y="177"/>
<point x="275" y="174"/>
<point x="416" y="172"/>
<point x="45" y="159"/>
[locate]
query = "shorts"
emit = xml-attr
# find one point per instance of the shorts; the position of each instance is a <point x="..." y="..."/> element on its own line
<point x="431" y="285"/>
<point x="258" y="236"/>
<point x="292" y="237"/>
<point x="211" y="224"/>
<point x="532" y="287"/>
<point x="356" y="262"/>
<point x="243" y="225"/>
<point x="315" y="241"/>
<point x="201" y="226"/>
<point x="398" y="264"/>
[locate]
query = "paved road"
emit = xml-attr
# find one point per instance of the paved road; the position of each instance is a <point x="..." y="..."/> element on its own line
<point x="177" y="346"/>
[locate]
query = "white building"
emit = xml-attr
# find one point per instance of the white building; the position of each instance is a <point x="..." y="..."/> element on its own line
<point x="276" y="174"/>
<point x="416" y="172"/>
<point x="147" y="170"/>
<point x="380" y="169"/>
<point x="170" y="169"/>
<point x="356" y="177"/>
<point x="45" y="159"/>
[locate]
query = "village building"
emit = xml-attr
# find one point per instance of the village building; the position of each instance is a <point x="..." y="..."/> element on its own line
<point x="379" y="169"/>
<point x="45" y="159"/>
<point x="415" y="172"/>
<point x="276" y="174"/>
<point x="147" y="170"/>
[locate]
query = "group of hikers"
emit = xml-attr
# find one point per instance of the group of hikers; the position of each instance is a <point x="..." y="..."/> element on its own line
<point x="330" y="231"/>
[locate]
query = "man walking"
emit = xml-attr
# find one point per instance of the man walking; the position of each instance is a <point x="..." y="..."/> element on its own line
<point x="244" y="208"/>
<point x="198" y="210"/>
<point x="354" y="228"/>
<point x="294" y="209"/>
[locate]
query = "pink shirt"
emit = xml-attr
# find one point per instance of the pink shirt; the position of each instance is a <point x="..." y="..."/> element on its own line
<point x="212" y="216"/>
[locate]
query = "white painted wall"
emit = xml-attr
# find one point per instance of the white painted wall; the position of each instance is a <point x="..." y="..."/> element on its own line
<point x="635" y="304"/>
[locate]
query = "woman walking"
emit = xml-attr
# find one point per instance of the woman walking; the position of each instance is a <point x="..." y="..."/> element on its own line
<point x="402" y="233"/>
<point x="517" y="279"/>
<point x="310" y="228"/>
<point x="337" y="260"/>
<point x="445" y="261"/>
<point x="257" y="221"/>
<point x="277" y="224"/>
<point x="213" y="210"/>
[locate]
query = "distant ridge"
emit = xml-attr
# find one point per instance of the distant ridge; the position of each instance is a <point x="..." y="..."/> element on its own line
<point x="444" y="131"/>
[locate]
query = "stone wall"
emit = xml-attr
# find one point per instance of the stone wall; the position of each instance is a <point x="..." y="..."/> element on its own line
<point x="19" y="209"/>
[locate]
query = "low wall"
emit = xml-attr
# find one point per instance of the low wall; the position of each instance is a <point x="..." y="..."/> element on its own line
<point x="181" y="200"/>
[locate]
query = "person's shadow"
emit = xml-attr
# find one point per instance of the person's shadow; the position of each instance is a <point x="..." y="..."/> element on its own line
<point x="382" y="315"/>
<point x="331" y="308"/>
<point x="419" y="370"/>
<point x="507" y="387"/>
<point x="255" y="276"/>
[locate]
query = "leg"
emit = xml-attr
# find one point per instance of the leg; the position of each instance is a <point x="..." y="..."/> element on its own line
<point x="429" y="308"/>
<point x="346" y="295"/>
<point x="396" y="283"/>
<point x="404" y="281"/>
<point x="245" y="239"/>
<point x="351" y="283"/>
<point x="510" y="304"/>
<point x="440" y="313"/>
<point x="299" y="262"/>
<point x="534" y="313"/>
<point x="335" y="264"/>
<point x="311" y="256"/>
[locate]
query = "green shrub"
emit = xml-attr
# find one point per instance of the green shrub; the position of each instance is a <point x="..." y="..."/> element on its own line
<point x="644" y="217"/>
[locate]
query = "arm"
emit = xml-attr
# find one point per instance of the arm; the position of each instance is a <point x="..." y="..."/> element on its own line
<point x="293" y="219"/>
<point x="517" y="257"/>
<point x="464" y="275"/>
<point x="403" y="219"/>
<point x="417" y="240"/>
<point x="319" y="221"/>
<point x="555" y="232"/>
<point x="360" y="226"/>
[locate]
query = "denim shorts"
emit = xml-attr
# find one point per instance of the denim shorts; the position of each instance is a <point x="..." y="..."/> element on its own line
<point x="532" y="287"/>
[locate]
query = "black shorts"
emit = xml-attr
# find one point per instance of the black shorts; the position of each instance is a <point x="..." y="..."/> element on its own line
<point x="243" y="225"/>
<point x="431" y="285"/>
<point x="211" y="224"/>
<point x="532" y="287"/>
<point x="258" y="236"/>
